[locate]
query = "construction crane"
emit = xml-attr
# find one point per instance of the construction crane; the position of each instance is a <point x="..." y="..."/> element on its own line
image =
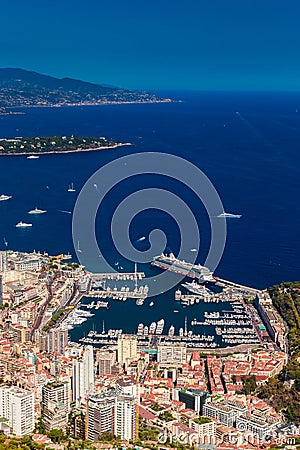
<point x="86" y="420"/>
<point x="137" y="384"/>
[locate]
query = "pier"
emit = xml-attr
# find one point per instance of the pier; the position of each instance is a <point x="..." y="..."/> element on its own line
<point x="193" y="342"/>
<point x="117" y="276"/>
<point x="225" y="283"/>
<point x="115" y="294"/>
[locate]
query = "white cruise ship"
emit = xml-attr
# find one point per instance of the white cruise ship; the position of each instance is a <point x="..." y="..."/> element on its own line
<point x="182" y="267"/>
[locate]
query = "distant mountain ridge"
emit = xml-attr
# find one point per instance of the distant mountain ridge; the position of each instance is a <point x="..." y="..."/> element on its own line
<point x="19" y="87"/>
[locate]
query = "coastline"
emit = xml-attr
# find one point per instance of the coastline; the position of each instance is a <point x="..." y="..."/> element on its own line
<point x="75" y="150"/>
<point x="71" y="105"/>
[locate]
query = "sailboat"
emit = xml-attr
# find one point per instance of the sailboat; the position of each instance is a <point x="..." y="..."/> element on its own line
<point x="71" y="188"/>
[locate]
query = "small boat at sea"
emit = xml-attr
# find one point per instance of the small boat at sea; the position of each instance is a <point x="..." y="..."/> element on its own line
<point x="151" y="303"/>
<point x="78" y="249"/>
<point x="23" y="225"/>
<point x="225" y="215"/>
<point x="5" y="197"/>
<point x="71" y="188"/>
<point x="33" y="157"/>
<point x="37" y="211"/>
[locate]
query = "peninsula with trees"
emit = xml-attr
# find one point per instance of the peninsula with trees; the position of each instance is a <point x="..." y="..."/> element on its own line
<point x="55" y="144"/>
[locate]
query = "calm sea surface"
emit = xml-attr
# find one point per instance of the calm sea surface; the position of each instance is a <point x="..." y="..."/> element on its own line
<point x="247" y="144"/>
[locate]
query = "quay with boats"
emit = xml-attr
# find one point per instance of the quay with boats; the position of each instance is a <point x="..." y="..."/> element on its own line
<point x="204" y="294"/>
<point x="150" y="341"/>
<point x="236" y="324"/>
<point x="76" y="317"/>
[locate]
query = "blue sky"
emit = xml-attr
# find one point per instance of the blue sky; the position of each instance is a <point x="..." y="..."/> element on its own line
<point x="190" y="44"/>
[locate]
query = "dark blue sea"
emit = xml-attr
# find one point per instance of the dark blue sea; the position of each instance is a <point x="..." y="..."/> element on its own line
<point x="247" y="144"/>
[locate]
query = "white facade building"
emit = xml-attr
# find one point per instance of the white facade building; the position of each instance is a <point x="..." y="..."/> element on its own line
<point x="170" y="355"/>
<point x="28" y="264"/>
<point x="3" y="262"/>
<point x="127" y="348"/>
<point x="125" y="417"/>
<point x="83" y="375"/>
<point x="17" y="406"/>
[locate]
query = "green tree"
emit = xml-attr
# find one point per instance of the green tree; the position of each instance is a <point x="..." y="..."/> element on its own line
<point x="56" y="435"/>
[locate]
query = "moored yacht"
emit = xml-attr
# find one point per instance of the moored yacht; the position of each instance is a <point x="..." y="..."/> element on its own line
<point x="152" y="328"/>
<point x="196" y="288"/>
<point x="140" y="329"/>
<point x="160" y="326"/>
<point x="171" y="331"/>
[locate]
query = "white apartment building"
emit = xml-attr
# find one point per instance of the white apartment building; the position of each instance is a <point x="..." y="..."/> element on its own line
<point x="83" y="375"/>
<point x="125" y="417"/>
<point x="127" y="348"/>
<point x="17" y="407"/>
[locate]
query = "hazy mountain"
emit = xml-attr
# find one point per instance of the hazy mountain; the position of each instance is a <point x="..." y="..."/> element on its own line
<point x="20" y="87"/>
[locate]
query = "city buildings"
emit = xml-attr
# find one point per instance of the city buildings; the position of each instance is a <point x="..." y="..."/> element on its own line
<point x="179" y="381"/>
<point x="113" y="411"/>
